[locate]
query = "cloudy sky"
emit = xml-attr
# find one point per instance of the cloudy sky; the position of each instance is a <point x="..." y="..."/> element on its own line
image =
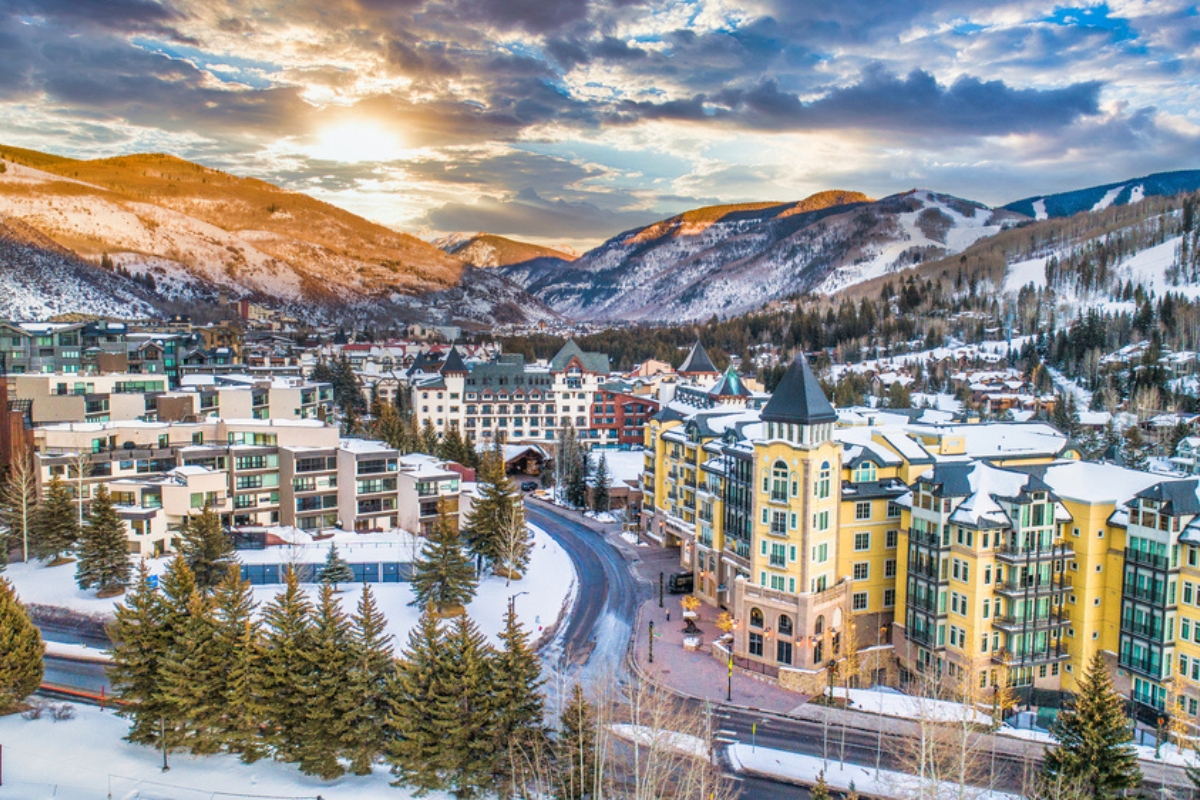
<point x="570" y="120"/>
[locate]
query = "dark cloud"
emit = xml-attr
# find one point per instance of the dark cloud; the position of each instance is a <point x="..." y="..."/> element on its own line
<point x="527" y="213"/>
<point x="883" y="102"/>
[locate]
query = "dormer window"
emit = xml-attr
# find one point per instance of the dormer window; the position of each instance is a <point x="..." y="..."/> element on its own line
<point x="865" y="473"/>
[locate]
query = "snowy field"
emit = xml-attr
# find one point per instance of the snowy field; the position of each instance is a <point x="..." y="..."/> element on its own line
<point x="86" y="759"/>
<point x="547" y="586"/>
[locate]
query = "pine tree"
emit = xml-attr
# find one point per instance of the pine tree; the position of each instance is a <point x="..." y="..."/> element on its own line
<point x="575" y="747"/>
<point x="517" y="700"/>
<point x="207" y="548"/>
<point x="454" y="448"/>
<point x="21" y="651"/>
<point x="464" y="709"/>
<point x="287" y="639"/>
<point x="189" y="679"/>
<point x="577" y="480"/>
<point x="237" y="643"/>
<point x="369" y="679"/>
<point x="104" y="550"/>
<point x="336" y="570"/>
<point x="429" y="438"/>
<point x="390" y="428"/>
<point x="1094" y="748"/>
<point x="56" y="525"/>
<point x="137" y="636"/>
<point x="416" y="747"/>
<point x="820" y="789"/>
<point x="492" y="511"/>
<point x="600" y="492"/>
<point x="1133" y="449"/>
<point x="442" y="575"/>
<point x="325" y="733"/>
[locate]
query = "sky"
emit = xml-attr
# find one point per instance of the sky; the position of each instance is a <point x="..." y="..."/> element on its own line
<point x="568" y="121"/>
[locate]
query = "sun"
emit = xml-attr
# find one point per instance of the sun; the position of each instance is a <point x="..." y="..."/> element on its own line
<point x="354" y="141"/>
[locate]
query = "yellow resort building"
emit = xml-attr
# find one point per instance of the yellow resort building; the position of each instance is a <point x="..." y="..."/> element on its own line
<point x="975" y="553"/>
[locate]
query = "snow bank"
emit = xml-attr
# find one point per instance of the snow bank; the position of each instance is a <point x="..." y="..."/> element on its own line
<point x="891" y="703"/>
<point x="805" y="769"/>
<point x="86" y="758"/>
<point x="679" y="742"/>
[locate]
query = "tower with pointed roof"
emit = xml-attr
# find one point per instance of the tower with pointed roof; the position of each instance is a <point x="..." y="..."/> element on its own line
<point x="698" y="365"/>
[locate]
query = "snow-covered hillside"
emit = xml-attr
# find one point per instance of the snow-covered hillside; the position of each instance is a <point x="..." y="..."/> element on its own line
<point x="733" y="259"/>
<point x="1098" y="198"/>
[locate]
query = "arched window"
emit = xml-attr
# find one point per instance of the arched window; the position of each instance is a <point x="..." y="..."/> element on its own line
<point x="819" y="628"/>
<point x="823" y="481"/>
<point x="865" y="472"/>
<point x="756" y="618"/>
<point x="779" y="482"/>
<point x="785" y="625"/>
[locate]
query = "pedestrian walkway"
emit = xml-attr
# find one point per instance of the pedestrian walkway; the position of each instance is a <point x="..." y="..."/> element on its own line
<point x="697" y="673"/>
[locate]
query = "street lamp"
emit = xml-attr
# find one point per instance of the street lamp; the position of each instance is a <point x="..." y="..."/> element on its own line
<point x="512" y="602"/>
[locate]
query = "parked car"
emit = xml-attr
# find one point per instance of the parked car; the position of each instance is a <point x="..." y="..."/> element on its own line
<point x="529" y="486"/>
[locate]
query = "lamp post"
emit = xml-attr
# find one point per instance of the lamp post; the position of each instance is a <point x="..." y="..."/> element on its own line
<point x="650" y="645"/>
<point x="512" y="602"/>
<point x="660" y="590"/>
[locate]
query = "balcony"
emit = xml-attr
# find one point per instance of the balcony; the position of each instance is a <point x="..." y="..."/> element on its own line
<point x="1153" y="630"/>
<point x="1013" y="658"/>
<point x="1156" y="594"/>
<point x="1012" y="624"/>
<point x="923" y="636"/>
<point x="1030" y="586"/>
<point x="1148" y="665"/>
<point x="778" y="561"/>
<point x="1148" y="559"/>
<point x="1019" y="554"/>
<point x="923" y="538"/>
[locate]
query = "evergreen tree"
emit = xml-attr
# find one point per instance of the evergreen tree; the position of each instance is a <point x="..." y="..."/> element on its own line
<point x="1133" y="449"/>
<point x="429" y="438"/>
<point x="603" y="481"/>
<point x="492" y="511"/>
<point x="442" y="575"/>
<point x="21" y="651"/>
<point x="326" y="733"/>
<point x="287" y="639"/>
<point x="370" y="675"/>
<point x="207" y="548"/>
<point x="390" y="429"/>
<point x="351" y="420"/>
<point x="189" y="681"/>
<point x="416" y="747"/>
<point x="577" y="480"/>
<point x="1178" y="433"/>
<point x="336" y="570"/>
<point x="575" y="747"/>
<point x="137" y="636"/>
<point x="237" y="643"/>
<point x="454" y="448"/>
<point x="104" y="549"/>
<point x="518" y="703"/>
<point x="1094" y="747"/>
<point x="56" y="524"/>
<point x="820" y="789"/>
<point x="464" y="709"/>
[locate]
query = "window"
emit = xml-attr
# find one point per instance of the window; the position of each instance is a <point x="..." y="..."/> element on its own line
<point x="891" y="538"/>
<point x="862" y="570"/>
<point x="893" y="510"/>
<point x="889" y="568"/>
<point x="858" y="601"/>
<point x="821" y="553"/>
<point x="783" y="652"/>
<point x="865" y="472"/>
<point x="756" y="618"/>
<point x="862" y="510"/>
<point x="779" y="482"/>
<point x="821" y="521"/>
<point x="986" y="606"/>
<point x="756" y="644"/>
<point x="889" y="598"/>
<point x="785" y="625"/>
<point x="823" y="481"/>
<point x="862" y="541"/>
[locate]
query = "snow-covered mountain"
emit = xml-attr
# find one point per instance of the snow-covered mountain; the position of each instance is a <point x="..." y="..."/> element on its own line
<point x="198" y="231"/>
<point x="727" y="260"/>
<point x="1097" y="198"/>
<point x="490" y="250"/>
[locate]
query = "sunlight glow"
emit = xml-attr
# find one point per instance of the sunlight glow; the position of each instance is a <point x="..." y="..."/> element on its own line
<point x="355" y="141"/>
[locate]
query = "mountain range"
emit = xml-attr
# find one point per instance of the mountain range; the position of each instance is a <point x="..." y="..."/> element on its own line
<point x="175" y="234"/>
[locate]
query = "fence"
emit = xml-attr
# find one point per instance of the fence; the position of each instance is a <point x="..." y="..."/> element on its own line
<point x="373" y="572"/>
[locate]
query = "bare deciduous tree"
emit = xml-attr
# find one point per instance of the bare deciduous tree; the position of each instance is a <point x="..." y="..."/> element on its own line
<point x="20" y="500"/>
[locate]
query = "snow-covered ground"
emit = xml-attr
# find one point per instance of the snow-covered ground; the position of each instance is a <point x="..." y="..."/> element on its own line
<point x="86" y="759"/>
<point x="546" y="587"/>
<point x="891" y="703"/>
<point x="805" y="769"/>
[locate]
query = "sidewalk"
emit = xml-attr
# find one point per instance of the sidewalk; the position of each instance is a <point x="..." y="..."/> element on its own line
<point x="697" y="673"/>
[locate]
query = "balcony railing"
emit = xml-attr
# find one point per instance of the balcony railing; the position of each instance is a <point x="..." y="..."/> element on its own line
<point x="1019" y="552"/>
<point x="923" y="538"/>
<point x="1149" y="559"/>
<point x="1150" y="666"/>
<point x="1152" y="630"/>
<point x="1015" y="624"/>
<point x="1031" y="658"/>
<point x="1156" y="594"/>
<point x="1030" y="585"/>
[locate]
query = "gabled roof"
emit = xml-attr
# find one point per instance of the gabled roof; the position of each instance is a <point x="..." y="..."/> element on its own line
<point x="1177" y="497"/>
<point x="454" y="363"/>
<point x="592" y="362"/>
<point x="799" y="399"/>
<point x="697" y="362"/>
